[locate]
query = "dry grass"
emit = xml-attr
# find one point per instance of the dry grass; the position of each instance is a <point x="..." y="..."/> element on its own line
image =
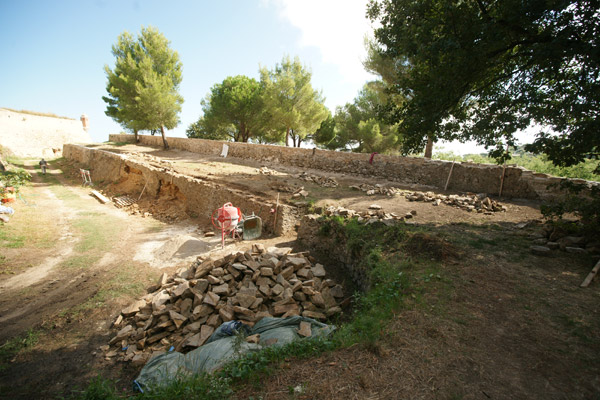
<point x="40" y="114"/>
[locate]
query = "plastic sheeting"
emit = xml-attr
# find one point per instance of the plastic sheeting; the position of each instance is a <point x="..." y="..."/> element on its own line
<point x="225" y="344"/>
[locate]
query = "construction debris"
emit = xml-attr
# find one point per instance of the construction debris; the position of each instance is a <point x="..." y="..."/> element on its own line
<point x="370" y="216"/>
<point x="372" y="190"/>
<point x="479" y="203"/>
<point x="103" y="199"/>
<point x="184" y="310"/>
<point x="319" y="180"/>
<point x="123" y="201"/>
<point x="265" y="171"/>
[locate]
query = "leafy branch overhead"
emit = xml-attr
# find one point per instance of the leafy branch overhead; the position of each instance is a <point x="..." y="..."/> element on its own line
<point x="483" y="70"/>
<point x="143" y="87"/>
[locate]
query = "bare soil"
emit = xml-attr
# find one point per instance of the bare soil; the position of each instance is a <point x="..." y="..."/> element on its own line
<point x="494" y="322"/>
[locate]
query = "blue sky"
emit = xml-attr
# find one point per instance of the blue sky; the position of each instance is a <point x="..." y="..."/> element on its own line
<point x="53" y="52"/>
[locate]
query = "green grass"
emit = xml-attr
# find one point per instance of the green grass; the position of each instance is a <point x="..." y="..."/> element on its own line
<point x="14" y="346"/>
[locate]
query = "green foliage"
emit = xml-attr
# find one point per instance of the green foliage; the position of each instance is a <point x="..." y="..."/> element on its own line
<point x="358" y="128"/>
<point x="326" y="132"/>
<point x="483" y="70"/>
<point x="143" y="88"/>
<point x="232" y="110"/>
<point x="292" y="106"/>
<point x="537" y="163"/>
<point x="12" y="347"/>
<point x="586" y="209"/>
<point x="13" y="178"/>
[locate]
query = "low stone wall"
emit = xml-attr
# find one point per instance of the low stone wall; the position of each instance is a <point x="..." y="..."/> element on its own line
<point x="200" y="197"/>
<point x="466" y="177"/>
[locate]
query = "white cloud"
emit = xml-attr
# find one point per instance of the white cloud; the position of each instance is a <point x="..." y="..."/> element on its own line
<point x="336" y="27"/>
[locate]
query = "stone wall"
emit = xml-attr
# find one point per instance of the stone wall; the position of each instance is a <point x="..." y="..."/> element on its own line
<point x="466" y="177"/>
<point x="27" y="135"/>
<point x="200" y="197"/>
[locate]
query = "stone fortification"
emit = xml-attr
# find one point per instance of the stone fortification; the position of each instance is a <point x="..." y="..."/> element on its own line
<point x="153" y="179"/>
<point x="27" y="135"/>
<point x="466" y="177"/>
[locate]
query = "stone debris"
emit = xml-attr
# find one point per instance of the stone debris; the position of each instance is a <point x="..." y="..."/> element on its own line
<point x="265" y="171"/>
<point x="479" y="203"/>
<point x="555" y="238"/>
<point x="372" y="190"/>
<point x="319" y="180"/>
<point x="182" y="311"/>
<point x="370" y="216"/>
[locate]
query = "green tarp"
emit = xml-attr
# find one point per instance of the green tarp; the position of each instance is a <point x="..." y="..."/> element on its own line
<point x="224" y="345"/>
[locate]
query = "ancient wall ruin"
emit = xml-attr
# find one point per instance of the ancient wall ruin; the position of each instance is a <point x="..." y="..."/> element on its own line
<point x="27" y="135"/>
<point x="198" y="196"/>
<point x="466" y="177"/>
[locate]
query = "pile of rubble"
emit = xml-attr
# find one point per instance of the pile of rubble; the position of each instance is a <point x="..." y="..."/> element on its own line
<point x="374" y="214"/>
<point x="377" y="189"/>
<point x="265" y="171"/>
<point x="555" y="238"/>
<point x="319" y="180"/>
<point x="183" y="311"/>
<point x="479" y="203"/>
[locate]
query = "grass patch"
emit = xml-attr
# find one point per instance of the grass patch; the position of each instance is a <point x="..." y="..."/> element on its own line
<point x="39" y="114"/>
<point x="17" y="345"/>
<point x="397" y="259"/>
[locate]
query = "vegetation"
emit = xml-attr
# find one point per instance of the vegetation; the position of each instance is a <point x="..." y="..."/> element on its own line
<point x="282" y="105"/>
<point x="373" y="311"/>
<point x="293" y="106"/>
<point x="143" y="87"/>
<point x="358" y="127"/>
<point x="482" y="70"/>
<point x="41" y="114"/>
<point x="232" y="110"/>
<point x="538" y="163"/>
<point x="16" y="345"/>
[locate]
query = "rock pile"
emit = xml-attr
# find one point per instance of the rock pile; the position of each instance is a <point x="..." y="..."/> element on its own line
<point x="554" y="238"/>
<point x="374" y="214"/>
<point x="372" y="190"/>
<point x="469" y="202"/>
<point x="265" y="171"/>
<point x="183" y="311"/>
<point x="319" y="180"/>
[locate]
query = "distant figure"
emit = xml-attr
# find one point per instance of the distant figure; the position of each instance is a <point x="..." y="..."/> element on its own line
<point x="44" y="165"/>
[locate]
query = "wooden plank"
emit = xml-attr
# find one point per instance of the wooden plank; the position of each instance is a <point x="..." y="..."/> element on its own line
<point x="591" y="275"/>
<point x="103" y="199"/>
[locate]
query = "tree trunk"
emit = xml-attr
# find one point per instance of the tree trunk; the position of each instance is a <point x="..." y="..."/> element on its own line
<point x="162" y="132"/>
<point x="137" y="140"/>
<point x="299" y="141"/>
<point x="287" y="136"/>
<point x="429" y="147"/>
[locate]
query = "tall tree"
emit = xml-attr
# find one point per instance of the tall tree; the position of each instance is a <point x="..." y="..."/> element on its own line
<point x="358" y="126"/>
<point x="484" y="69"/>
<point x="143" y="87"/>
<point x="294" y="107"/>
<point x="233" y="109"/>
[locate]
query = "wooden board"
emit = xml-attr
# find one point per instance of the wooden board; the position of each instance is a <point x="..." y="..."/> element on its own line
<point x="123" y="201"/>
<point x="591" y="275"/>
<point x="103" y="199"/>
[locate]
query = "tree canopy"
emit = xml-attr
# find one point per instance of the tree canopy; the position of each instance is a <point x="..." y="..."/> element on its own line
<point x="232" y="109"/>
<point x="143" y="87"/>
<point x="358" y="126"/>
<point x="294" y="108"/>
<point x="482" y="70"/>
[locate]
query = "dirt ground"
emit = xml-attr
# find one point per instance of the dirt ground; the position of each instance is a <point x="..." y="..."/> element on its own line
<point x="495" y="322"/>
